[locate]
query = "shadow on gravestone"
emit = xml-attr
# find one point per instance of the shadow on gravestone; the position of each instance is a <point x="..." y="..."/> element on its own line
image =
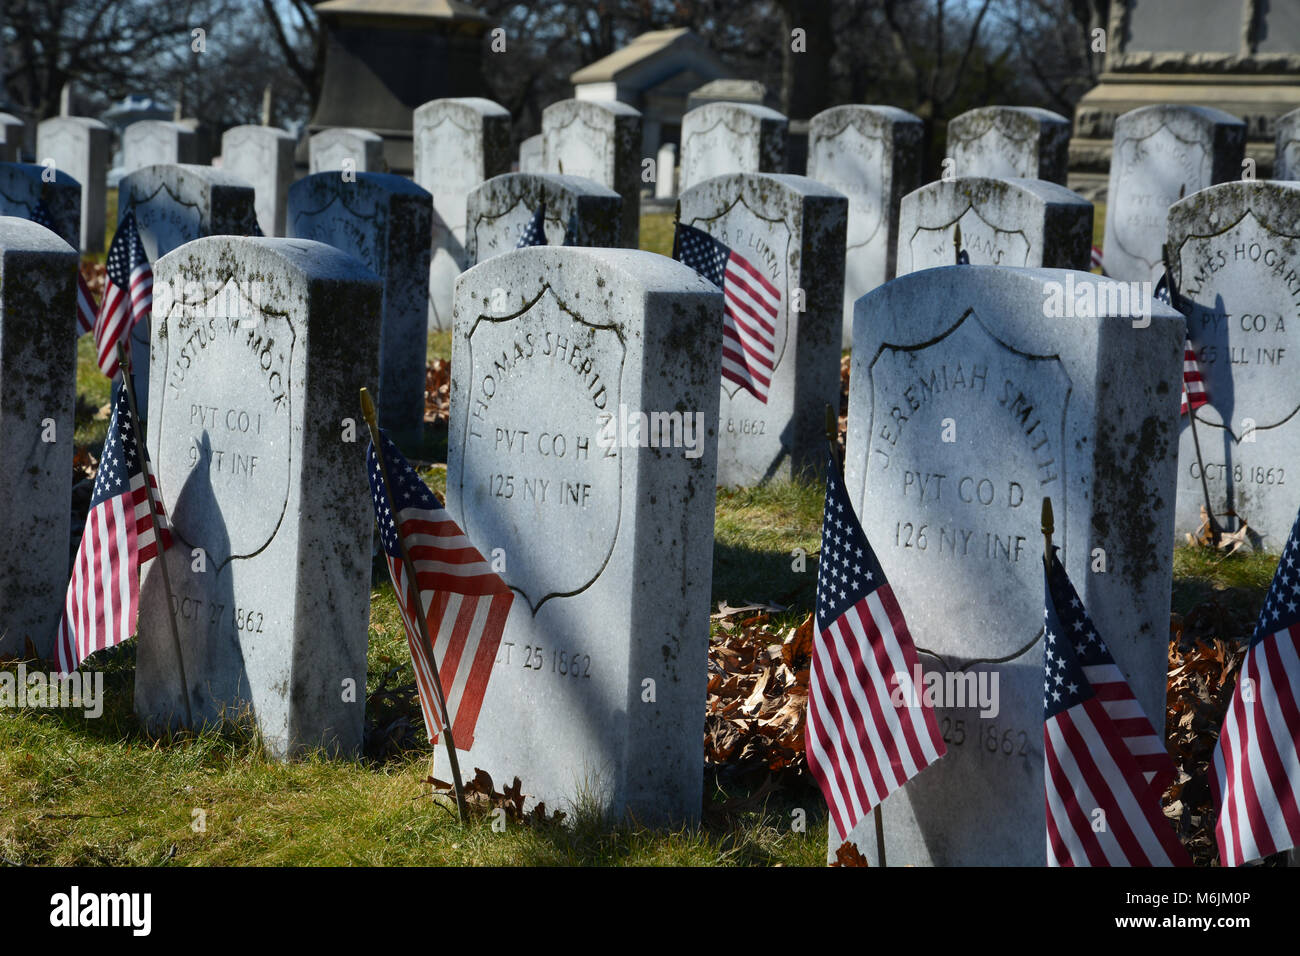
<point x="23" y="187"/>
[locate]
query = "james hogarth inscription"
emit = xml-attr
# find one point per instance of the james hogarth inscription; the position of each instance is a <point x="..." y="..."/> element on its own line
<point x="1236" y="253"/>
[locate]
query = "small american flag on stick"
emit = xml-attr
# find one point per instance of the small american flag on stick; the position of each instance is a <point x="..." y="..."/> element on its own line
<point x="1256" y="772"/>
<point x="1195" y="393"/>
<point x="861" y="744"/>
<point x="103" y="596"/>
<point x="751" y="308"/>
<point x="1106" y="768"/>
<point x="464" y="602"/>
<point x="85" y="298"/>
<point x="534" y="233"/>
<point x="128" y="293"/>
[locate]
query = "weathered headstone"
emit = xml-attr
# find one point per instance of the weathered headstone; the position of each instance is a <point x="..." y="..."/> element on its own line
<point x="599" y="140"/>
<point x="38" y="372"/>
<point x="1160" y="154"/>
<point x="152" y="142"/>
<point x="1286" y="162"/>
<point x="79" y="146"/>
<point x="346" y="149"/>
<point x="383" y="220"/>
<point x="459" y="143"/>
<point x="532" y="155"/>
<point x="872" y="154"/>
<point x="252" y="430"/>
<point x="1236" y="260"/>
<point x="263" y="157"/>
<point x="791" y="230"/>
<point x="1010" y="142"/>
<point x="174" y="204"/>
<point x="722" y="138"/>
<point x="23" y="188"/>
<point x="556" y="351"/>
<point x="579" y="212"/>
<point x="1004" y="222"/>
<point x="975" y="393"/>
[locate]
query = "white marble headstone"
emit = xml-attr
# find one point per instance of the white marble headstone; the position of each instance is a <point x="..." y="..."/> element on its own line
<point x="1004" y="222"/>
<point x="1159" y="154"/>
<point x="555" y="351"/>
<point x="257" y="365"/>
<point x="531" y="155"/>
<point x="150" y="142"/>
<point x="1286" y="162"/>
<point x="598" y="140"/>
<point x="1010" y="142"/>
<point x="872" y="154"/>
<point x="791" y="229"/>
<point x="579" y="212"/>
<point x="263" y="157"/>
<point x="79" y="146"/>
<point x="974" y="394"/>
<point x="347" y="149"/>
<point x="721" y="138"/>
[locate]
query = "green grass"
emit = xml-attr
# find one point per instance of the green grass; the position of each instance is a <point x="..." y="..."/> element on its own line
<point x="1099" y="224"/>
<point x="657" y="232"/>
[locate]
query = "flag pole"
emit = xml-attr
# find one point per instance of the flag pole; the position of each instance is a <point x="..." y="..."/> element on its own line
<point x="833" y="436"/>
<point x="368" y="410"/>
<point x="956" y="244"/>
<point x="1049" y="526"/>
<point x="124" y="362"/>
<point x="1215" y="530"/>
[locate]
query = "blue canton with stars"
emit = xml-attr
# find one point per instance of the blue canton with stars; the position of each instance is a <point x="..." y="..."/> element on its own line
<point x="848" y="569"/>
<point x="697" y="249"/>
<point x="408" y="491"/>
<point x="534" y="233"/>
<point x="125" y="253"/>
<point x="120" y="459"/>
<point x="1165" y="293"/>
<point x="1070" y="644"/>
<point x="1282" y="606"/>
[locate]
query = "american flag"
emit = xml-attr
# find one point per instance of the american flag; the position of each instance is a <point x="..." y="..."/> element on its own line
<point x="751" y="308"/>
<point x="534" y="233"/>
<point x="1101" y="752"/>
<point x="464" y="601"/>
<point x="1195" y="393"/>
<point x="128" y="293"/>
<point x="85" y="298"/>
<point x="1256" y="778"/>
<point x="1097" y="261"/>
<point x="863" y="740"/>
<point x="103" y="596"/>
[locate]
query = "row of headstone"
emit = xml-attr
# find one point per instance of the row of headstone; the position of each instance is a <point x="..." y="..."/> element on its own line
<point x="79" y="146"/>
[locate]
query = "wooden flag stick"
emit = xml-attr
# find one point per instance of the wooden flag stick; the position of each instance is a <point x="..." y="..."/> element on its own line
<point x="1048" y="528"/>
<point x="124" y="362"/>
<point x="956" y="244"/>
<point x="368" y="410"/>
<point x="833" y="437"/>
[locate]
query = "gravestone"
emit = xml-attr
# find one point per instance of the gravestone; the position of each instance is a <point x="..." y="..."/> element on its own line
<point x="579" y="212"/>
<point x="258" y="362"/>
<point x="383" y="220"/>
<point x="531" y="155"/>
<point x="556" y="350"/>
<point x="1286" y="162"/>
<point x="598" y="140"/>
<point x="666" y="171"/>
<point x="1010" y="142"/>
<point x="791" y="230"/>
<point x="152" y="142"/>
<point x="347" y="149"/>
<point x="23" y="188"/>
<point x="12" y="133"/>
<point x="262" y="156"/>
<point x="79" y="146"/>
<point x="459" y="143"/>
<point x="1160" y="153"/>
<point x="174" y="204"/>
<point x="872" y="154"/>
<point x="38" y="372"/>
<point x="974" y="393"/>
<point x="1236" y="249"/>
<point x="1004" y="222"/>
<point x="721" y="138"/>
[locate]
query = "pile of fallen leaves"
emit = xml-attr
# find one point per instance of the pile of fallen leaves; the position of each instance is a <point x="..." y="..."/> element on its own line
<point x="757" y="697"/>
<point x="844" y="401"/>
<point x="95" y="274"/>
<point x="481" y="797"/>
<point x="437" y="391"/>
<point x="1203" y="669"/>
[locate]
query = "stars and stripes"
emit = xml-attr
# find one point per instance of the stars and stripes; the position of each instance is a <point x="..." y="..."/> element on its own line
<point x="1256" y="769"/>
<point x="534" y="233"/>
<point x="1195" y="393"/>
<point x="868" y="730"/>
<point x="128" y="293"/>
<point x="86" y="308"/>
<point x="1098" y="262"/>
<point x="465" y="603"/>
<point x="1106" y="768"/>
<point x="103" y="596"/>
<point x="963" y="257"/>
<point x="751" y="308"/>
